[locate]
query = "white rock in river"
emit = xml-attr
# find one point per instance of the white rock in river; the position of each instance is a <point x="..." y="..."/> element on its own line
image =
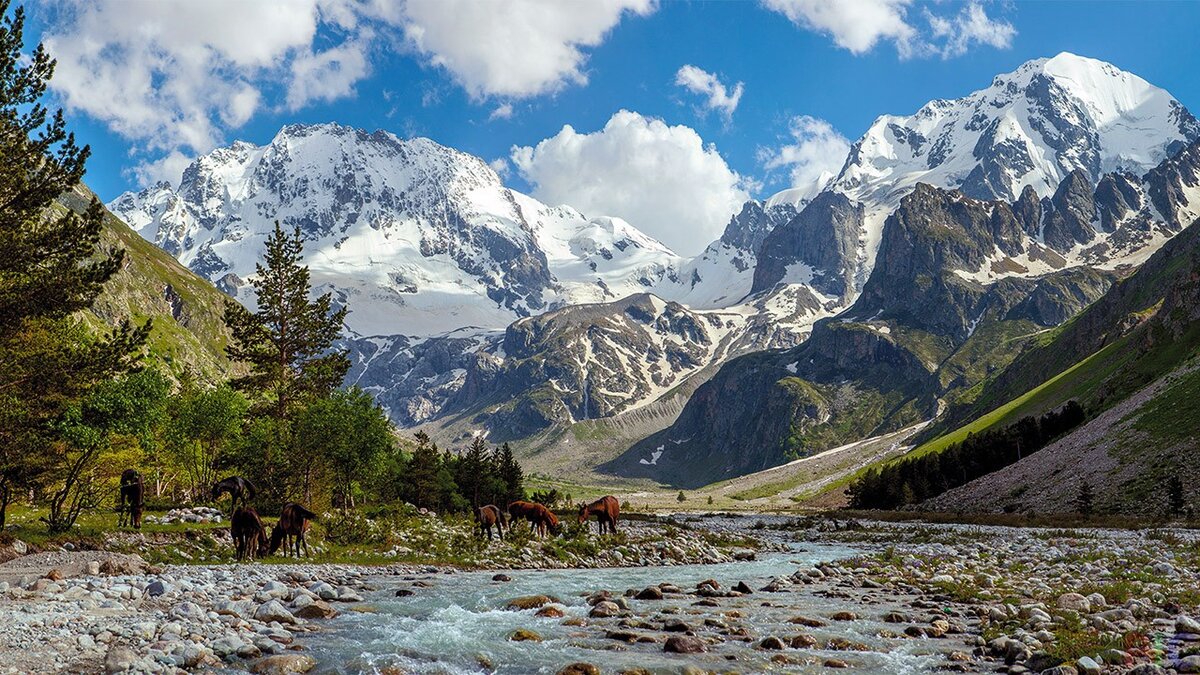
<point x="273" y="611"/>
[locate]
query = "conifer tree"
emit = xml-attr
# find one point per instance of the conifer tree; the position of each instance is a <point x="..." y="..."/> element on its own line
<point x="1084" y="499"/>
<point x="510" y="474"/>
<point x="1175" y="499"/>
<point x="51" y="266"/>
<point x="288" y="340"/>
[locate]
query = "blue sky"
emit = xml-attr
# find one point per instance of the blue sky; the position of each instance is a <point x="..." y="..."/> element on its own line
<point x="219" y="73"/>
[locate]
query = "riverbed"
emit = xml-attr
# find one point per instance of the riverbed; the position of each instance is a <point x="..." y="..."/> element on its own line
<point x="458" y="623"/>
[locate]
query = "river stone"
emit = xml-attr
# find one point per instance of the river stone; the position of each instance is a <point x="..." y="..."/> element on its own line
<point x="1088" y="666"/>
<point x="803" y="641"/>
<point x="316" y="609"/>
<point x="579" y="669"/>
<point x="1189" y="664"/>
<point x="743" y="588"/>
<point x="844" y="616"/>
<point x="806" y="621"/>
<point x="501" y="577"/>
<point x="530" y="602"/>
<point x="604" y="609"/>
<point x="1039" y="661"/>
<point x="684" y="644"/>
<point x="1186" y="624"/>
<point x="284" y="664"/>
<point x="157" y="587"/>
<point x="1075" y="602"/>
<point x="273" y="611"/>
<point x="650" y="593"/>
<point x="676" y="626"/>
<point x="771" y="642"/>
<point x="550" y="612"/>
<point x="119" y="659"/>
<point x="524" y="635"/>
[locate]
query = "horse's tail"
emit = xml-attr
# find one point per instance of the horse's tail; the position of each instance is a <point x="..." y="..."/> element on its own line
<point x="251" y="489"/>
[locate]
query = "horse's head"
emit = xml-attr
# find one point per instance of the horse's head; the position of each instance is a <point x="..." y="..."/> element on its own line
<point x="583" y="513"/>
<point x="276" y="539"/>
<point x="216" y="491"/>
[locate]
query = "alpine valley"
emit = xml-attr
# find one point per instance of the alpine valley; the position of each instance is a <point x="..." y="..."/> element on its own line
<point x="973" y="234"/>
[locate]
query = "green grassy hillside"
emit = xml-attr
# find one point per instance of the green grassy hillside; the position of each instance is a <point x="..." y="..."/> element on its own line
<point x="189" y="334"/>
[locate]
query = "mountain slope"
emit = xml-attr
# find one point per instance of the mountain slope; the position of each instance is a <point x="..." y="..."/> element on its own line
<point x="1131" y="359"/>
<point x="189" y="334"/>
<point x="948" y="302"/>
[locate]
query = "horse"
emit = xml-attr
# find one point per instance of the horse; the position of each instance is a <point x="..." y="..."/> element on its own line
<point x="606" y="509"/>
<point x="239" y="489"/>
<point x="293" y="523"/>
<point x="490" y="515"/>
<point x="133" y="493"/>
<point x="249" y="535"/>
<point x="540" y="518"/>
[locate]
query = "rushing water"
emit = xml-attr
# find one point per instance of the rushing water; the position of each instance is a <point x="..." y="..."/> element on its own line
<point x="449" y="626"/>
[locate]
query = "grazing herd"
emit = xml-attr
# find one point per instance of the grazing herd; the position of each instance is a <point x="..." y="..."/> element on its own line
<point x="250" y="534"/>
<point x="542" y="520"/>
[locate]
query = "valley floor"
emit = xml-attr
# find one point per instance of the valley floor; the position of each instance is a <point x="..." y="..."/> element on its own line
<point x="877" y="597"/>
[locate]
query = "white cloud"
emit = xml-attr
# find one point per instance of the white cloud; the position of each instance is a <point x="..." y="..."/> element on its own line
<point x="719" y="97"/>
<point x="971" y="25"/>
<point x="503" y="111"/>
<point x="175" y="75"/>
<point x="813" y="157"/>
<point x="662" y="179"/>
<point x="858" y="25"/>
<point x="513" y="48"/>
<point x="500" y="166"/>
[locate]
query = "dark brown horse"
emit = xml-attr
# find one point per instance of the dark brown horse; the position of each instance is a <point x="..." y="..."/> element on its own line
<point x="606" y="509"/>
<point x="293" y="523"/>
<point x="540" y="518"/>
<point x="238" y="488"/>
<point x="133" y="493"/>
<point x="489" y="516"/>
<point x="249" y="535"/>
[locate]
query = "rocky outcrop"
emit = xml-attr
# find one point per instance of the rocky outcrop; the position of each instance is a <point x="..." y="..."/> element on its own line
<point x="823" y="237"/>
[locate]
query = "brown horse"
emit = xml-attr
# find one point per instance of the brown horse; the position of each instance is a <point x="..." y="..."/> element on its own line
<point x="293" y="523"/>
<point x="249" y="535"/>
<point x="133" y="493"/>
<point x="606" y="509"/>
<point x="541" y="519"/>
<point x="489" y="516"/>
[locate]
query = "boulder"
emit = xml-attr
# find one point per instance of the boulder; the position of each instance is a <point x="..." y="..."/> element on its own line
<point x="772" y="643"/>
<point x="530" y="602"/>
<point x="604" y="609"/>
<point x="284" y="664"/>
<point x="1075" y="602"/>
<point x="119" y="659"/>
<point x="684" y="644"/>
<point x="524" y="635"/>
<point x="550" y="612"/>
<point x="579" y="669"/>
<point x="649" y="593"/>
<point x="316" y="609"/>
<point x="273" y="610"/>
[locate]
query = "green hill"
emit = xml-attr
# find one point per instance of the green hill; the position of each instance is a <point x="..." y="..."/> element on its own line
<point x="189" y="334"/>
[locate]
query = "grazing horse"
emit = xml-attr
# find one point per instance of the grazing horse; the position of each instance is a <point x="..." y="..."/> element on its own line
<point x="293" y="523"/>
<point x="249" y="535"/>
<point x="239" y="489"/>
<point x="540" y="518"/>
<point x="133" y="493"/>
<point x="606" y="509"/>
<point x="488" y="516"/>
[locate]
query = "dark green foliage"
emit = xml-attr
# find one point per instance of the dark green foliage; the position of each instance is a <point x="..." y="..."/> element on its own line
<point x="288" y="341"/>
<point x="50" y="268"/>
<point x="204" y="430"/>
<point x="1175" y="499"/>
<point x="511" y="476"/>
<point x="1084" y="499"/>
<point x="914" y="480"/>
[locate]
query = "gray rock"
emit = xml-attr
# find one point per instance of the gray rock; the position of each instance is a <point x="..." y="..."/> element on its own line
<point x="273" y="611"/>
<point x="684" y="644"/>
<point x="157" y="587"/>
<point x="119" y="659"/>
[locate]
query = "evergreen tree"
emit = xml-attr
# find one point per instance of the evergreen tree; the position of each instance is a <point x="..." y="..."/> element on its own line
<point x="1084" y="499"/>
<point x="422" y="487"/>
<point x="51" y="266"/>
<point x="288" y="341"/>
<point x="512" y="478"/>
<point x="472" y="472"/>
<point x="1175" y="499"/>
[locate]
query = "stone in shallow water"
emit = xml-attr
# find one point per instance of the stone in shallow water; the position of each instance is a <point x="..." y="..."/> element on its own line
<point x="529" y="602"/>
<point x="579" y="669"/>
<point x="524" y="635"/>
<point x="771" y="642"/>
<point x="684" y="644"/>
<point x="284" y="664"/>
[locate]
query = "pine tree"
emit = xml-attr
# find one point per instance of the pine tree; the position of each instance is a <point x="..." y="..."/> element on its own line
<point x="51" y="266"/>
<point x="1175" y="499"/>
<point x="1084" y="499"/>
<point x="423" y="471"/>
<point x="288" y="341"/>
<point x="510" y="474"/>
<point x="473" y="472"/>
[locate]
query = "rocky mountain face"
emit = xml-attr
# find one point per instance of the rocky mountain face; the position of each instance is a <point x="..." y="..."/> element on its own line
<point x="951" y="235"/>
<point x="950" y="299"/>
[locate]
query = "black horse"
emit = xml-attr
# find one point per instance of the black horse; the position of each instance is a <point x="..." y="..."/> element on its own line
<point x="133" y="493"/>
<point x="239" y="489"/>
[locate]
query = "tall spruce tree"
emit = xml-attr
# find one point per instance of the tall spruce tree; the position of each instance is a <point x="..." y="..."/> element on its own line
<point x="288" y="341"/>
<point x="51" y="266"/>
<point x="510" y="474"/>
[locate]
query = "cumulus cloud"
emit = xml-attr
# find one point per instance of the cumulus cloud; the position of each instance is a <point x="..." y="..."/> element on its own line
<point x="503" y="111"/>
<point x="173" y="75"/>
<point x="663" y="179"/>
<point x="813" y="156"/>
<point x="718" y="97"/>
<point x="970" y="26"/>
<point x="513" y="48"/>
<point x="858" y="25"/>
